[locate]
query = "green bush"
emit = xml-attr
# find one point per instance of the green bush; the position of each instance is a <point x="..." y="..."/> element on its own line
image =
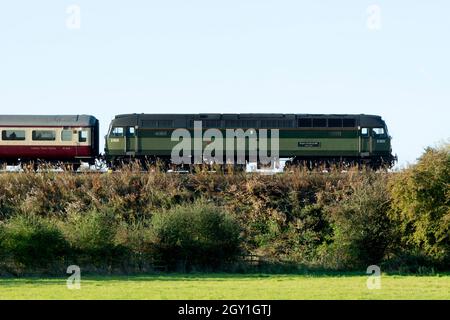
<point x="421" y="205"/>
<point x="312" y="230"/>
<point x="2" y="239"/>
<point x="32" y="241"/>
<point x="296" y="240"/>
<point x="92" y="237"/>
<point x="195" y="235"/>
<point x="136" y="238"/>
<point x="362" y="230"/>
<point x="409" y="262"/>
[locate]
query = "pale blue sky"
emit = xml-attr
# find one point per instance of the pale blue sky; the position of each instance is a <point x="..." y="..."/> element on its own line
<point x="220" y="56"/>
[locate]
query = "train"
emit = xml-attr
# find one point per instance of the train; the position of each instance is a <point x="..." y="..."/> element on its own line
<point x="303" y="139"/>
<point x="68" y="139"/>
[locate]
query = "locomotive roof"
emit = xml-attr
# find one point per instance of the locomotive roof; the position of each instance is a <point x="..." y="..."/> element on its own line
<point x="47" y="120"/>
<point x="134" y="118"/>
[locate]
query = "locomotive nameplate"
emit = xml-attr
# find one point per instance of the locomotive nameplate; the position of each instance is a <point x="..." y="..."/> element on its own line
<point x="309" y="144"/>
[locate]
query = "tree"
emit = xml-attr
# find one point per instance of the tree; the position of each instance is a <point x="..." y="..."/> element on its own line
<point x="421" y="204"/>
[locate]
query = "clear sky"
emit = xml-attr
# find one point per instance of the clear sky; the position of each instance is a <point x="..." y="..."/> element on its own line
<point x="188" y="56"/>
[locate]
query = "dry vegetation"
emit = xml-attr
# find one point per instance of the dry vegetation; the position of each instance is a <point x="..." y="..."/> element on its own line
<point x="133" y="221"/>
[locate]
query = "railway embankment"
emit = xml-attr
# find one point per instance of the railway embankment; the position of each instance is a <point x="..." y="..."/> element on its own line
<point x="134" y="221"/>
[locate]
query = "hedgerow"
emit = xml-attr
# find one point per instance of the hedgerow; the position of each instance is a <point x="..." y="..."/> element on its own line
<point x="131" y="221"/>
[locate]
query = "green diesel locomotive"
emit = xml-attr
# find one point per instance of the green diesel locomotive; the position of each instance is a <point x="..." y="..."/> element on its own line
<point x="311" y="139"/>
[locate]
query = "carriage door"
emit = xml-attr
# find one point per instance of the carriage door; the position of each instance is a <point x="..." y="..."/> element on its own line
<point x="364" y="142"/>
<point x="130" y="141"/>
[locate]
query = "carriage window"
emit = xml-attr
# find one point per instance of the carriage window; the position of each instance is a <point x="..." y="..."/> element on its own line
<point x="378" y="132"/>
<point x="43" y="135"/>
<point x="117" y="132"/>
<point x="82" y="136"/>
<point x="13" y="135"/>
<point x="66" y="135"/>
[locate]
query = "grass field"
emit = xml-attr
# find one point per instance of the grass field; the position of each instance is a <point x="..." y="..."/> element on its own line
<point x="225" y="286"/>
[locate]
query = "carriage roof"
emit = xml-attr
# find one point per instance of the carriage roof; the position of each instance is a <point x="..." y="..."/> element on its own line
<point x="47" y="120"/>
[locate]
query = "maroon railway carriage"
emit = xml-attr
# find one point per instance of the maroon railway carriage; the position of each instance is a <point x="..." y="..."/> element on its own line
<point x="49" y="138"/>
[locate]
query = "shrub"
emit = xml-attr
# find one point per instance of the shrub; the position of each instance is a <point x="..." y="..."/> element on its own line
<point x="312" y="230"/>
<point x="136" y="237"/>
<point x="361" y="225"/>
<point x="92" y="237"/>
<point x="32" y="241"/>
<point x="195" y="235"/>
<point x="2" y="238"/>
<point x="409" y="262"/>
<point x="296" y="241"/>
<point x="421" y="204"/>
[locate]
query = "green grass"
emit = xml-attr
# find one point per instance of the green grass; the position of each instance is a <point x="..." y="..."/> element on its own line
<point x="225" y="286"/>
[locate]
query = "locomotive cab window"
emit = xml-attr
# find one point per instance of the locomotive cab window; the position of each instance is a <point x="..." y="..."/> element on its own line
<point x="378" y="132"/>
<point x="365" y="132"/>
<point x="66" y="135"/>
<point x="43" y="135"/>
<point x="17" y="135"/>
<point x="82" y="136"/>
<point x="117" y="132"/>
